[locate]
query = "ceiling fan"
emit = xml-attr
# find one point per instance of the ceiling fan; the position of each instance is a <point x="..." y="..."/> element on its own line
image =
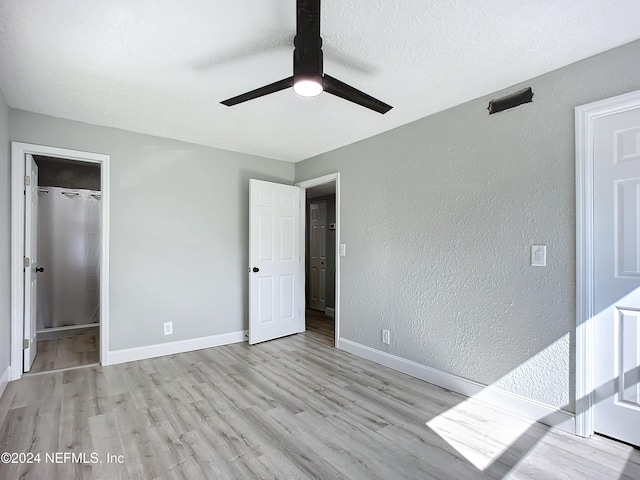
<point x="308" y="78"/>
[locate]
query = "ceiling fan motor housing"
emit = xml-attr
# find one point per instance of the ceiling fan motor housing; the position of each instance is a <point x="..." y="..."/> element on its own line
<point x="307" y="54"/>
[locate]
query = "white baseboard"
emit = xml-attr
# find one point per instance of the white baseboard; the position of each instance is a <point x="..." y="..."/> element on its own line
<point x="330" y="312"/>
<point x="181" y="346"/>
<point x="4" y="379"/>
<point x="512" y="402"/>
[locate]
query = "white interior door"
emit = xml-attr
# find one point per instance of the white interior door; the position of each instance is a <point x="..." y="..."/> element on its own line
<point x="30" y="271"/>
<point x="275" y="265"/>
<point x="318" y="255"/>
<point x="617" y="275"/>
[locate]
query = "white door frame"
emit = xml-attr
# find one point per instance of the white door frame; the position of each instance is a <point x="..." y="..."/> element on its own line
<point x="585" y="117"/>
<point x="18" y="152"/>
<point x="314" y="182"/>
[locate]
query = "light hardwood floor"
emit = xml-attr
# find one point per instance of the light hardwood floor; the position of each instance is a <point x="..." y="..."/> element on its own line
<point x="293" y="408"/>
<point x="67" y="352"/>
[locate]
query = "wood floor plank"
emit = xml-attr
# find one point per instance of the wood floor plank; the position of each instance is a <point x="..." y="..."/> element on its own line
<point x="293" y="408"/>
<point x="443" y="460"/>
<point x="105" y="438"/>
<point x="276" y="466"/>
<point x="310" y="456"/>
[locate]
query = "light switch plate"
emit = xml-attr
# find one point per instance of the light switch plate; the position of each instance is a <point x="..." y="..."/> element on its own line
<point x="343" y="249"/>
<point x="538" y="255"/>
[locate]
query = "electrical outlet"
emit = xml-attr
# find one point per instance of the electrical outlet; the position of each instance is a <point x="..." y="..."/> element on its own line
<point x="386" y="336"/>
<point x="168" y="328"/>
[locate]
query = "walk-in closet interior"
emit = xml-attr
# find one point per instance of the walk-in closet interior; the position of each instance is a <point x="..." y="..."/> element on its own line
<point x="68" y="295"/>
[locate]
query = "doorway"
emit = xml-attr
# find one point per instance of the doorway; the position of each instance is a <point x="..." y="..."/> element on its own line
<point x="59" y="258"/>
<point x="277" y="259"/>
<point x="608" y="268"/>
<point x="320" y="250"/>
<point x="68" y="257"/>
<point x="322" y="261"/>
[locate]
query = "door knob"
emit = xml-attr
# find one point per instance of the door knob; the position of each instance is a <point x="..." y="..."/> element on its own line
<point x="39" y="269"/>
<point x="256" y="269"/>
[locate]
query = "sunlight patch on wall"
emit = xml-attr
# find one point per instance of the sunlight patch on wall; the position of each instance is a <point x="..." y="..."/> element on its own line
<point x="544" y="375"/>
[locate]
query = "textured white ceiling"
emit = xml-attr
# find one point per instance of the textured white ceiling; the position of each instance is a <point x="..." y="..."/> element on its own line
<point x="161" y="67"/>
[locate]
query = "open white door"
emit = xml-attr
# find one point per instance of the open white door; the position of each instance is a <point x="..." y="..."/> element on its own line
<point x="616" y="217"/>
<point x="31" y="265"/>
<point x="276" y="301"/>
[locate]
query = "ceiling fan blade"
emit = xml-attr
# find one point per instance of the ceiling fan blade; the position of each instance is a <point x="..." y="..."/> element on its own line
<point x="260" y="92"/>
<point x="340" y="89"/>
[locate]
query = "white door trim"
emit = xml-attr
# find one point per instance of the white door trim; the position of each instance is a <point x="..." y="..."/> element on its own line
<point x="18" y="152"/>
<point x="314" y="182"/>
<point x="585" y="116"/>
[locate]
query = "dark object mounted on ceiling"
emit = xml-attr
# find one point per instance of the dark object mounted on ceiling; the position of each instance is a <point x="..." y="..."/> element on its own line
<point x="308" y="78"/>
<point x="510" y="101"/>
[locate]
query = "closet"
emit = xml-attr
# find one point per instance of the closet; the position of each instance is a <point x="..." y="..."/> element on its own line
<point x="68" y="296"/>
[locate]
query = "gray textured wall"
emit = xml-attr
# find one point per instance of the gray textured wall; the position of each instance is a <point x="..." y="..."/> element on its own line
<point x="439" y="217"/>
<point x="179" y="228"/>
<point x="54" y="172"/>
<point x="5" y="237"/>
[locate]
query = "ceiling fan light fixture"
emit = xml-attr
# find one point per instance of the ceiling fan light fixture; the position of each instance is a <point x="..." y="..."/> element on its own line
<point x="309" y="79"/>
<point x="308" y="87"/>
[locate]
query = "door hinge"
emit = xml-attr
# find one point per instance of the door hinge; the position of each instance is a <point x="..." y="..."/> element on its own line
<point x="25" y="344"/>
<point x="26" y="262"/>
<point x="27" y="180"/>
